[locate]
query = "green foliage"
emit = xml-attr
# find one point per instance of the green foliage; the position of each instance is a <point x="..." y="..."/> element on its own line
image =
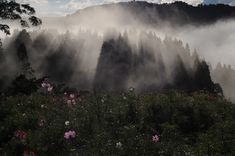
<point x="119" y="124"/>
<point x="22" y="86"/>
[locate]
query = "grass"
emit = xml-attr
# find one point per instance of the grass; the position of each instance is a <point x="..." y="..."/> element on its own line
<point x="117" y="124"/>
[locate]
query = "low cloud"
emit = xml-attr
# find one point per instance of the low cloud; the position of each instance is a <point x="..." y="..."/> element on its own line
<point x="81" y="4"/>
<point x="76" y="5"/>
<point x="33" y="1"/>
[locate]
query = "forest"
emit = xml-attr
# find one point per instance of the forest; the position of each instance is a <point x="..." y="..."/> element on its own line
<point x="165" y="65"/>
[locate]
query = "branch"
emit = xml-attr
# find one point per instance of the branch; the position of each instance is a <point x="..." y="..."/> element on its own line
<point x="13" y="11"/>
<point x="29" y="10"/>
<point x="5" y="28"/>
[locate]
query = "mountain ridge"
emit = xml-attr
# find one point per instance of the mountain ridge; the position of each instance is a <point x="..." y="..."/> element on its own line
<point x="177" y="13"/>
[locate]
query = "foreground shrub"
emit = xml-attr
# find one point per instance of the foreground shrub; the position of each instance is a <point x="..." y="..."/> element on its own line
<point x="117" y="124"/>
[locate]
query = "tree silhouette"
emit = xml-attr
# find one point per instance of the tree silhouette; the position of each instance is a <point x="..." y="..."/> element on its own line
<point x="202" y="77"/>
<point x="114" y="65"/>
<point x="11" y="10"/>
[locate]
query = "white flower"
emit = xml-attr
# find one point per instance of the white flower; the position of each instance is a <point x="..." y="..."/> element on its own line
<point x="44" y="85"/>
<point x="42" y="106"/>
<point x="124" y="98"/>
<point x="71" y="96"/>
<point x="131" y="89"/>
<point x="118" y="145"/>
<point x="102" y="100"/>
<point x="66" y="123"/>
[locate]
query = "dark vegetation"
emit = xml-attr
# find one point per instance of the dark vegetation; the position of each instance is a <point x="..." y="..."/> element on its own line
<point x="119" y="63"/>
<point x="117" y="124"/>
<point x="175" y="14"/>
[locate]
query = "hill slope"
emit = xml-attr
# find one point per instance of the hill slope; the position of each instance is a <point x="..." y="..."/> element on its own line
<point x="178" y="13"/>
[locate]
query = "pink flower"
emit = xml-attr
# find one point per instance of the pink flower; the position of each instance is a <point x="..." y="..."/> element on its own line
<point x="69" y="135"/>
<point x="21" y="134"/>
<point x="70" y="99"/>
<point x="155" y="138"/>
<point x="66" y="135"/>
<point x="49" y="89"/>
<point x="73" y="134"/>
<point x="28" y="153"/>
<point x="44" y="85"/>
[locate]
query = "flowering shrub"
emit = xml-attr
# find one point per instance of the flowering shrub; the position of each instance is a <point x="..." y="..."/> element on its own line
<point x="117" y="124"/>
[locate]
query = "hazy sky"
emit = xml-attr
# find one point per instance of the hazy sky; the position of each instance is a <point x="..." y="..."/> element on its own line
<point x="63" y="7"/>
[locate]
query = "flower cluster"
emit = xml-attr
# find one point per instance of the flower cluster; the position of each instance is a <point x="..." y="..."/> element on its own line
<point x="21" y="134"/>
<point x="69" y="134"/>
<point x="46" y="85"/>
<point x="71" y="98"/>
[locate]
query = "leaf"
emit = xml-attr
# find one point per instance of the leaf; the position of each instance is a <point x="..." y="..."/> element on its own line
<point x="35" y="21"/>
<point x="24" y="23"/>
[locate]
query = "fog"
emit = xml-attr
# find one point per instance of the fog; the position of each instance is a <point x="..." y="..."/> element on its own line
<point x="215" y="42"/>
<point x="77" y="42"/>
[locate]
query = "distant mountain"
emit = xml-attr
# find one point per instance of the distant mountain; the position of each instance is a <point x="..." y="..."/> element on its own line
<point x="229" y="2"/>
<point x="176" y="14"/>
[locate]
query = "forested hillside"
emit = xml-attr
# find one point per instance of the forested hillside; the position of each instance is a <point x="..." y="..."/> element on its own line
<point x="175" y="14"/>
<point x="151" y="65"/>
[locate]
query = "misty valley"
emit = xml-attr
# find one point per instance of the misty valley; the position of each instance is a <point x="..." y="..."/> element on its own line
<point x="127" y="78"/>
